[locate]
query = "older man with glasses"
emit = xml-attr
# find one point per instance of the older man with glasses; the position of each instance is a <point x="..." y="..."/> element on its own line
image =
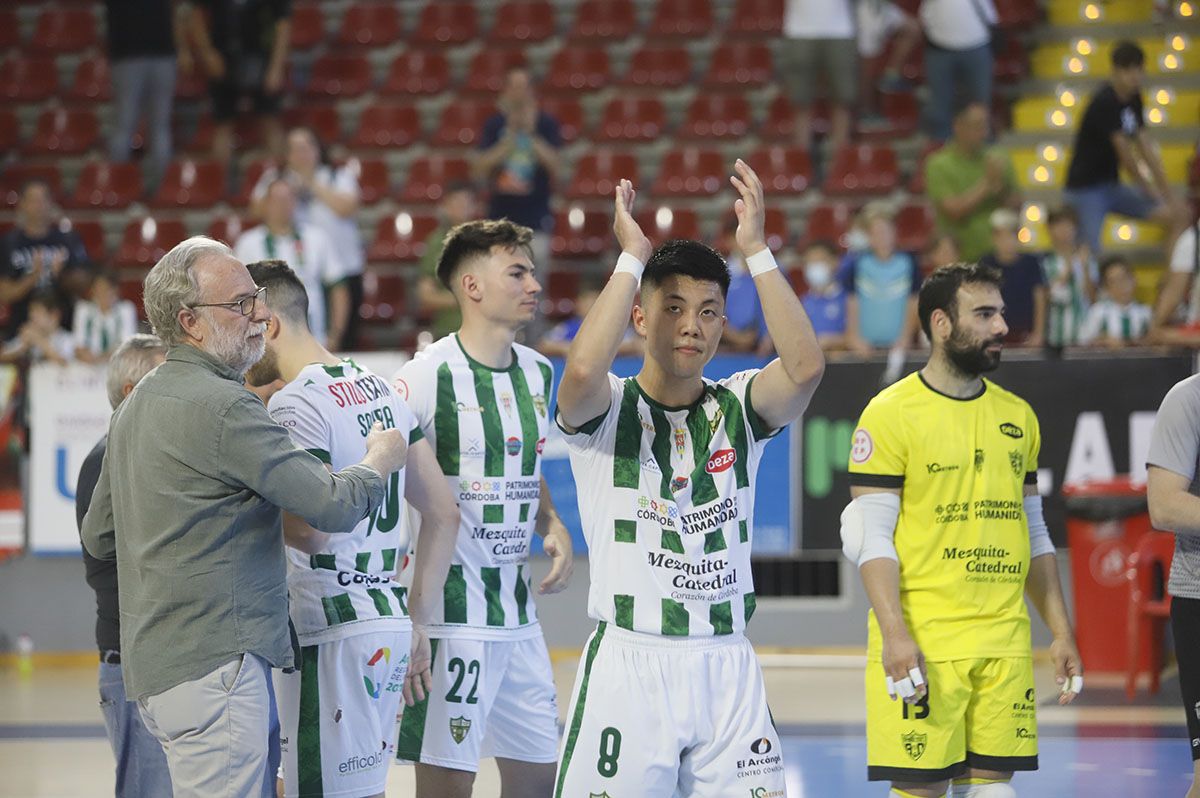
<point x="195" y="476"/>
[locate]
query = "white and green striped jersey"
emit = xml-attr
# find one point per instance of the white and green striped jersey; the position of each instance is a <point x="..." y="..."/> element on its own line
<point x="488" y="427"/>
<point x="669" y="494"/>
<point x="1068" y="304"/>
<point x="1107" y="319"/>
<point x="329" y="410"/>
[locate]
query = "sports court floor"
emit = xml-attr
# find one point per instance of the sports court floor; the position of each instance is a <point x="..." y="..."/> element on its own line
<point x="52" y="742"/>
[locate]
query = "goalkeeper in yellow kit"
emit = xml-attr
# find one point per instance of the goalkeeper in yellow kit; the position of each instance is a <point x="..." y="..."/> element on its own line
<point x="946" y="526"/>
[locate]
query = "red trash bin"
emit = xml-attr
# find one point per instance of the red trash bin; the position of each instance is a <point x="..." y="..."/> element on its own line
<point x="1105" y="520"/>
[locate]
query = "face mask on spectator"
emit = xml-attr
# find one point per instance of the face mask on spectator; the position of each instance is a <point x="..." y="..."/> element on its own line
<point x="818" y="275"/>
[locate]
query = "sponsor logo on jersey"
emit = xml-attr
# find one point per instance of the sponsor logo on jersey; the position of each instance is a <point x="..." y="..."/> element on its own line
<point x="861" y="447"/>
<point x="979" y="458"/>
<point x="376" y="672"/>
<point x="720" y="461"/>
<point x="715" y="421"/>
<point x="360" y="762"/>
<point x="401" y="388"/>
<point x="660" y="512"/>
<point x="937" y="468"/>
<point x="480" y="490"/>
<point x="763" y="792"/>
<point x="680" y="440"/>
<point x="914" y="744"/>
<point x="539" y="404"/>
<point x="506" y="401"/>
<point x="678" y="484"/>
<point x="650" y="464"/>
<point x="541" y="445"/>
<point x="1029" y="694"/>
<point x="1012" y="430"/>
<point x="646" y="425"/>
<point x="761" y="746"/>
<point x="513" y="446"/>
<point x="465" y="408"/>
<point x="599" y="795"/>
<point x="459" y="729"/>
<point x="710" y="516"/>
<point x="1016" y="459"/>
<point x="1025" y="734"/>
<point x="474" y="448"/>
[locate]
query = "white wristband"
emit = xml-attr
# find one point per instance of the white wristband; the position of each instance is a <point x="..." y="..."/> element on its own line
<point x="630" y="265"/>
<point x="761" y="263"/>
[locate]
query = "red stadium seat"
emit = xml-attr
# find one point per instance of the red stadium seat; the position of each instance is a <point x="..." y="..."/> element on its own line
<point x="776" y="227"/>
<point x="900" y="114"/>
<point x="28" y="79"/>
<point x="914" y="226"/>
<point x="190" y="87"/>
<point x="523" y="22"/>
<point x="251" y="174"/>
<point x="370" y="25"/>
<point x="190" y="184"/>
<point x="614" y="20"/>
<point x="1017" y="13"/>
<point x="418" y="72"/>
<point x="1011" y="62"/>
<point x="384" y="297"/>
<point x="569" y="114"/>
<point x="447" y="23"/>
<point x="63" y="132"/>
<point x="429" y="175"/>
<point x="91" y="233"/>
<point x="659" y="68"/>
<point x="632" y="119"/>
<point x="663" y="223"/>
<point x="739" y="65"/>
<point x="717" y="116"/>
<point x="374" y="179"/>
<point x="148" y="239"/>
<point x="682" y="19"/>
<point x="597" y="173"/>
<point x="93" y="82"/>
<point x="130" y="288"/>
<point x="323" y="120"/>
<point x="462" y="123"/>
<point x="829" y="223"/>
<point x="10" y="29"/>
<point x="783" y="170"/>
<point x="387" y="126"/>
<point x="308" y="26"/>
<point x="757" y="18"/>
<point x="107" y="186"/>
<point x="339" y="76"/>
<point x="16" y="175"/>
<point x="581" y="234"/>
<point x="861" y="170"/>
<point x="489" y="69"/>
<point x="780" y="123"/>
<point x="691" y="172"/>
<point x="562" y="286"/>
<point x="575" y="69"/>
<point x="401" y="237"/>
<point x="10" y="129"/>
<point x="64" y="30"/>
<point x="228" y="227"/>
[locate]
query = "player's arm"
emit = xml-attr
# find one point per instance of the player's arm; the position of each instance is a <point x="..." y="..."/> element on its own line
<point x="556" y="542"/>
<point x="1173" y="292"/>
<point x="1149" y="155"/>
<point x="426" y="490"/>
<point x="583" y="394"/>
<point x="98" y="531"/>
<point x="1127" y="156"/>
<point x="784" y="387"/>
<point x="1172" y="507"/>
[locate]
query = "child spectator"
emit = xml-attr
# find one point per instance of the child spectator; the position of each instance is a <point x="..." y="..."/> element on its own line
<point x="1117" y="319"/>
<point x="103" y="321"/>
<point x="558" y="340"/>
<point x="1068" y="269"/>
<point x="458" y="205"/>
<point x="881" y="287"/>
<point x="1024" y="289"/>
<point x="42" y="338"/>
<point x="825" y="300"/>
<point x="942" y="251"/>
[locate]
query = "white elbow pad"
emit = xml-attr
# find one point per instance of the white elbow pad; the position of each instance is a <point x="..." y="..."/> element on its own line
<point x="868" y="526"/>
<point x="1039" y="533"/>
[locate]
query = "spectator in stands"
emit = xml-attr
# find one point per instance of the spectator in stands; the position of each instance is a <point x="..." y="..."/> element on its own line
<point x="103" y="321"/>
<point x="958" y="56"/>
<point x="459" y="204"/>
<point x="243" y="48"/>
<point x="38" y="255"/>
<point x="744" y="322"/>
<point x="1177" y="310"/>
<point x="819" y="43"/>
<point x="327" y="197"/>
<point x="1117" y="319"/>
<point x="147" y="39"/>
<point x="967" y="180"/>
<point x="941" y="251"/>
<point x="557" y="340"/>
<point x="879" y="22"/>
<point x="1024" y="289"/>
<point x="825" y="300"/>
<point x="41" y="338"/>
<point x="881" y="286"/>
<point x="141" y="765"/>
<point x="1111" y="137"/>
<point x="1070" y="272"/>
<point x="519" y="159"/>
<point x="309" y="252"/>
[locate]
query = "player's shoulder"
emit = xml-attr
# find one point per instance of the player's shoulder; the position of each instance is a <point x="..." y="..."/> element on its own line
<point x="302" y="391"/>
<point x="1186" y="390"/>
<point x="738" y="382"/>
<point x="900" y="395"/>
<point x="528" y="356"/>
<point x="427" y="361"/>
<point x="1002" y="396"/>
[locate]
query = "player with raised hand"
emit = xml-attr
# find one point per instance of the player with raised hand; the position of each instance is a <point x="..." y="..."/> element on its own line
<point x="669" y="697"/>
<point x="947" y="529"/>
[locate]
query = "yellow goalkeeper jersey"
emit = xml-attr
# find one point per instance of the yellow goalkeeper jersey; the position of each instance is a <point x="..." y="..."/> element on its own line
<point x="962" y="537"/>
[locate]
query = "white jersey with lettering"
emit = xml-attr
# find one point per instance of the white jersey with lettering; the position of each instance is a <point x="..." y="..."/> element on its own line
<point x="329" y="410"/>
<point x="488" y="427"/>
<point x="669" y="494"/>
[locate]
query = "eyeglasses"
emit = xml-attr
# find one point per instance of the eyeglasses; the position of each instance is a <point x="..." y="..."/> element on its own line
<point x="244" y="306"/>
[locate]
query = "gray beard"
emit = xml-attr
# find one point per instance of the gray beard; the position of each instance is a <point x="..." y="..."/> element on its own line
<point x="237" y="353"/>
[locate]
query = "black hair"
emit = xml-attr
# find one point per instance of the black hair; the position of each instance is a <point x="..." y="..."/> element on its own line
<point x="46" y="298"/>
<point x="688" y="259"/>
<point x="476" y="239"/>
<point x="1111" y="262"/>
<point x="964" y="104"/>
<point x="286" y="295"/>
<point x="108" y="275"/>
<point x="1062" y="213"/>
<point x="940" y="289"/>
<point x="1128" y="54"/>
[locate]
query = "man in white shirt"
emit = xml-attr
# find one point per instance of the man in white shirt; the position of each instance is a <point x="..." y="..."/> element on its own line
<point x="958" y="55"/>
<point x="310" y="253"/>
<point x="820" y="38"/>
<point x="1180" y="287"/>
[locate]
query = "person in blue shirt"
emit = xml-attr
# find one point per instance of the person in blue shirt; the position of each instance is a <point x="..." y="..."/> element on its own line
<point x="557" y="340"/>
<point x="881" y="286"/>
<point x="1024" y="289"/>
<point x="825" y="300"/>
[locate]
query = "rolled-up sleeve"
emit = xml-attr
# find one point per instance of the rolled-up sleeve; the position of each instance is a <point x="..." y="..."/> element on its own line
<point x="98" y="532"/>
<point x="260" y="455"/>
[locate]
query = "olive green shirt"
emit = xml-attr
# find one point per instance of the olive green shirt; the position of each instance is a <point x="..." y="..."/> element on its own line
<point x="195" y="476"/>
<point x="449" y="320"/>
<point x="949" y="173"/>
